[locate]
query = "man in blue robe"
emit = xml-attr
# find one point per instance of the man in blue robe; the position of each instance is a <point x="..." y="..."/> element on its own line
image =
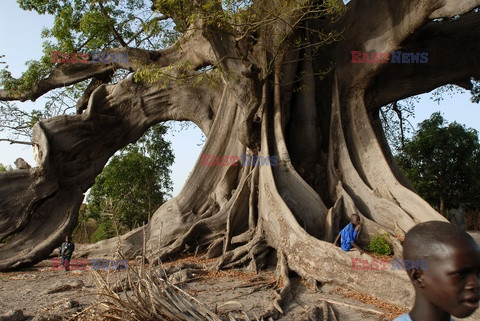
<point x="350" y="234"/>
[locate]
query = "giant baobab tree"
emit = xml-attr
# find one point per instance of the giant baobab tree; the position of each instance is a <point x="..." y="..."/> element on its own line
<point x="264" y="78"/>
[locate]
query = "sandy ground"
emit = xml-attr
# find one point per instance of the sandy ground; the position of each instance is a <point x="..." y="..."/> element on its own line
<point x="45" y="294"/>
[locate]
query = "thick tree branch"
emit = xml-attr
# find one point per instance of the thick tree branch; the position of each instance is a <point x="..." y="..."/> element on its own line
<point x="452" y="49"/>
<point x="247" y="84"/>
<point x="72" y="150"/>
<point x="193" y="49"/>
<point x="62" y="75"/>
<point x="383" y="26"/>
<point x="94" y="84"/>
<point x="450" y="8"/>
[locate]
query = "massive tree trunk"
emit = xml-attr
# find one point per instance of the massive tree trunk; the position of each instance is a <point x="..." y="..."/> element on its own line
<point x="286" y="88"/>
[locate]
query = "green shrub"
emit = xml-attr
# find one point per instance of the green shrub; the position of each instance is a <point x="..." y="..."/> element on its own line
<point x="379" y="244"/>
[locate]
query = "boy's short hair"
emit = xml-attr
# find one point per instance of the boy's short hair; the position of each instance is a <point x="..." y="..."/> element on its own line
<point x="429" y="239"/>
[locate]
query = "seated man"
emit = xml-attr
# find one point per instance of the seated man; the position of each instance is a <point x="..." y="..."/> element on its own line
<point x="350" y="234"/>
<point x="450" y="285"/>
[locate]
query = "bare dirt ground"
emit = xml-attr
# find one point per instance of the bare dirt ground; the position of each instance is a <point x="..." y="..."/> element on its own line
<point x="45" y="294"/>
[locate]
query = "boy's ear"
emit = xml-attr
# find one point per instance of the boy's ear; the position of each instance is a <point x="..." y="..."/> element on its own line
<point x="416" y="277"/>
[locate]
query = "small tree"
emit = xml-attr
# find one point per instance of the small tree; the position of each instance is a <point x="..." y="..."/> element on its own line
<point x="133" y="185"/>
<point x="442" y="161"/>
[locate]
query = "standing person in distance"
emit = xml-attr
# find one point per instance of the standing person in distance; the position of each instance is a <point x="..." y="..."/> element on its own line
<point x="66" y="251"/>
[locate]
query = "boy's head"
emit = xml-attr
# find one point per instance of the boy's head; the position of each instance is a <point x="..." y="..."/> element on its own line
<point x="451" y="281"/>
<point x="355" y="219"/>
<point x="67" y="238"/>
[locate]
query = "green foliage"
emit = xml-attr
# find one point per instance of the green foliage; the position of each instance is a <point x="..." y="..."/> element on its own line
<point x="4" y="168"/>
<point x="88" y="25"/>
<point x="181" y="10"/>
<point x="442" y="161"/>
<point x="86" y="226"/>
<point x="36" y="70"/>
<point x="475" y="91"/>
<point x="104" y="231"/>
<point x="379" y="244"/>
<point x="395" y="117"/>
<point x="135" y="182"/>
<point x="179" y="74"/>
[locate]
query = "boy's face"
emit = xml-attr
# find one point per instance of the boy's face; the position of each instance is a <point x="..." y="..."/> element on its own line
<point x="451" y="281"/>
<point x="355" y="220"/>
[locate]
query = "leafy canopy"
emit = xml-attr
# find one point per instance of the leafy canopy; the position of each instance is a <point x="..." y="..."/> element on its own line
<point x="87" y="25"/>
<point x="90" y="25"/>
<point x="442" y="161"/>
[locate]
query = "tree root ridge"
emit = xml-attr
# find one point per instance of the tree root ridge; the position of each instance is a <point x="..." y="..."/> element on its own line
<point x="39" y="237"/>
<point x="203" y="228"/>
<point x="27" y="183"/>
<point x="254" y="252"/>
<point x="212" y="232"/>
<point x="284" y="294"/>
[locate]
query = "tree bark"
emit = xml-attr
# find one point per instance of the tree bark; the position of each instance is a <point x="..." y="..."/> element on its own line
<point x="267" y="97"/>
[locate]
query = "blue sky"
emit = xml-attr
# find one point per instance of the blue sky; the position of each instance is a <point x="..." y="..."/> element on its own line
<point x="20" y="39"/>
